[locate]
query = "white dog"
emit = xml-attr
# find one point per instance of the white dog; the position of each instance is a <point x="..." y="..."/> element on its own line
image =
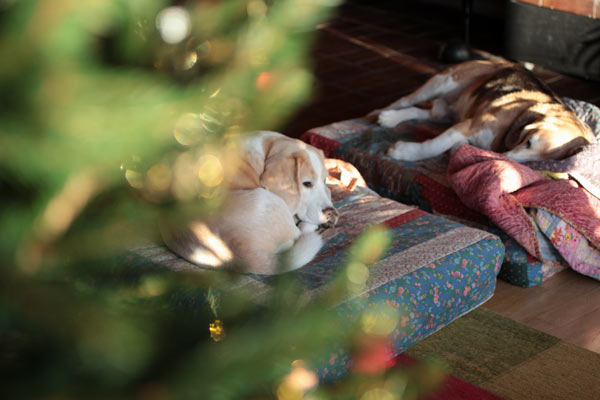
<point x="277" y="202"/>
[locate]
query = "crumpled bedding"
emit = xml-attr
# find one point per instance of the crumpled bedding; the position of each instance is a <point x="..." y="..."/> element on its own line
<point x="583" y="167"/>
<point x="506" y="191"/>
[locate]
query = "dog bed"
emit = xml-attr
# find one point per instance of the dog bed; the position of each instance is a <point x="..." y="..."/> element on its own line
<point x="434" y="271"/>
<point x="363" y="142"/>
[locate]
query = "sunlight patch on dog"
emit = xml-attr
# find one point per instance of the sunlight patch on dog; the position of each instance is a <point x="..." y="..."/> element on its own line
<point x="214" y="252"/>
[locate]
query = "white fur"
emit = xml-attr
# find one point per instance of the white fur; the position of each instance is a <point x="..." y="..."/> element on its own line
<point x="482" y="139"/>
<point x="451" y="138"/>
<point x="305" y="248"/>
<point x="411" y="151"/>
<point x="391" y="118"/>
<point x="522" y="155"/>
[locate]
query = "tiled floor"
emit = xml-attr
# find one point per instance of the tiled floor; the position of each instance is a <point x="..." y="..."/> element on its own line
<point x="372" y="52"/>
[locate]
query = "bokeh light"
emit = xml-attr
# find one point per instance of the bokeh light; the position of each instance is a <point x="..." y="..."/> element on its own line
<point x="210" y="170"/>
<point x="187" y="129"/>
<point x="263" y="81"/>
<point x="256" y="8"/>
<point x="301" y="378"/>
<point x="190" y="60"/>
<point x="134" y="178"/>
<point x="297" y="382"/>
<point x="159" y="178"/>
<point x="378" y="394"/>
<point x="174" y="24"/>
<point x="357" y="273"/>
<point x="380" y="321"/>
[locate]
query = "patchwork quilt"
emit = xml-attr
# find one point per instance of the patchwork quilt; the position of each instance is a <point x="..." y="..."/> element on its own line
<point x="503" y="190"/>
<point x="426" y="184"/>
<point x="434" y="271"/>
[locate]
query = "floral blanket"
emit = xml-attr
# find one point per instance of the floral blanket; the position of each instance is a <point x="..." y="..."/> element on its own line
<point x="505" y="190"/>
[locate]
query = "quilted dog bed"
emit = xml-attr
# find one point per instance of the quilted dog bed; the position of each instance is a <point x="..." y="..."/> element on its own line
<point x="434" y="271"/>
<point x="559" y="242"/>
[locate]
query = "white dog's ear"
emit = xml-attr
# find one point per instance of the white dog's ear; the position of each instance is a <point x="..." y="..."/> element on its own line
<point x="247" y="172"/>
<point x="282" y="176"/>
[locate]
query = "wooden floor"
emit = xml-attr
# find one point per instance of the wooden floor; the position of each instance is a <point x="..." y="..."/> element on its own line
<point x="372" y="52"/>
<point x="566" y="306"/>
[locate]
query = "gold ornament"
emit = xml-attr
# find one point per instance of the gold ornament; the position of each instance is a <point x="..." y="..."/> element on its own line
<point x="217" y="330"/>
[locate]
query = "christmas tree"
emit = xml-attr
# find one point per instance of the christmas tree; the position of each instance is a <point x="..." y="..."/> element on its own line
<point x="106" y="107"/>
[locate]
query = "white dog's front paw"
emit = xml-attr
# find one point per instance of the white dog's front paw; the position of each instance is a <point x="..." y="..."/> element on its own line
<point x="306" y="227"/>
<point x="388" y="118"/>
<point x="405" y="151"/>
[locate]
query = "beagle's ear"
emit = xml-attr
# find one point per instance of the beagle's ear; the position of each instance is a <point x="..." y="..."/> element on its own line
<point x="567" y="149"/>
<point x="516" y="133"/>
<point x="281" y="176"/>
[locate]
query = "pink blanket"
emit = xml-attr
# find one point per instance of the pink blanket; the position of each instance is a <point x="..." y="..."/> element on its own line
<point x="502" y="190"/>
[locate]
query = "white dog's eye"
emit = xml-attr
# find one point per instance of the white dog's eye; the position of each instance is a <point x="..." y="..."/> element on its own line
<point x="308" y="184"/>
<point x="528" y="144"/>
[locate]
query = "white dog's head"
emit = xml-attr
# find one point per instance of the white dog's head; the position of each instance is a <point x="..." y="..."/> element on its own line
<point x="295" y="171"/>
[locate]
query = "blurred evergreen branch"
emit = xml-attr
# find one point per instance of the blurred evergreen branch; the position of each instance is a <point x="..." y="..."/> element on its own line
<point x="111" y="113"/>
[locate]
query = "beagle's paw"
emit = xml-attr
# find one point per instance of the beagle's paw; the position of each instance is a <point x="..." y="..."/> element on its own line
<point x="391" y="118"/>
<point x="388" y="118"/>
<point x="405" y="151"/>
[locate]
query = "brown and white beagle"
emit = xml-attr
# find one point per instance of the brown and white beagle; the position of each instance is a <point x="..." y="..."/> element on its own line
<point x="269" y="222"/>
<point x="494" y="105"/>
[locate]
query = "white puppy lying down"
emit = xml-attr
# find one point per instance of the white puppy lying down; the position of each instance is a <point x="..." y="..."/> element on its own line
<point x="277" y="202"/>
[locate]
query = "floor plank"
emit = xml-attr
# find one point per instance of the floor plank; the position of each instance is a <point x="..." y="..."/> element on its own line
<point x="566" y="306"/>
